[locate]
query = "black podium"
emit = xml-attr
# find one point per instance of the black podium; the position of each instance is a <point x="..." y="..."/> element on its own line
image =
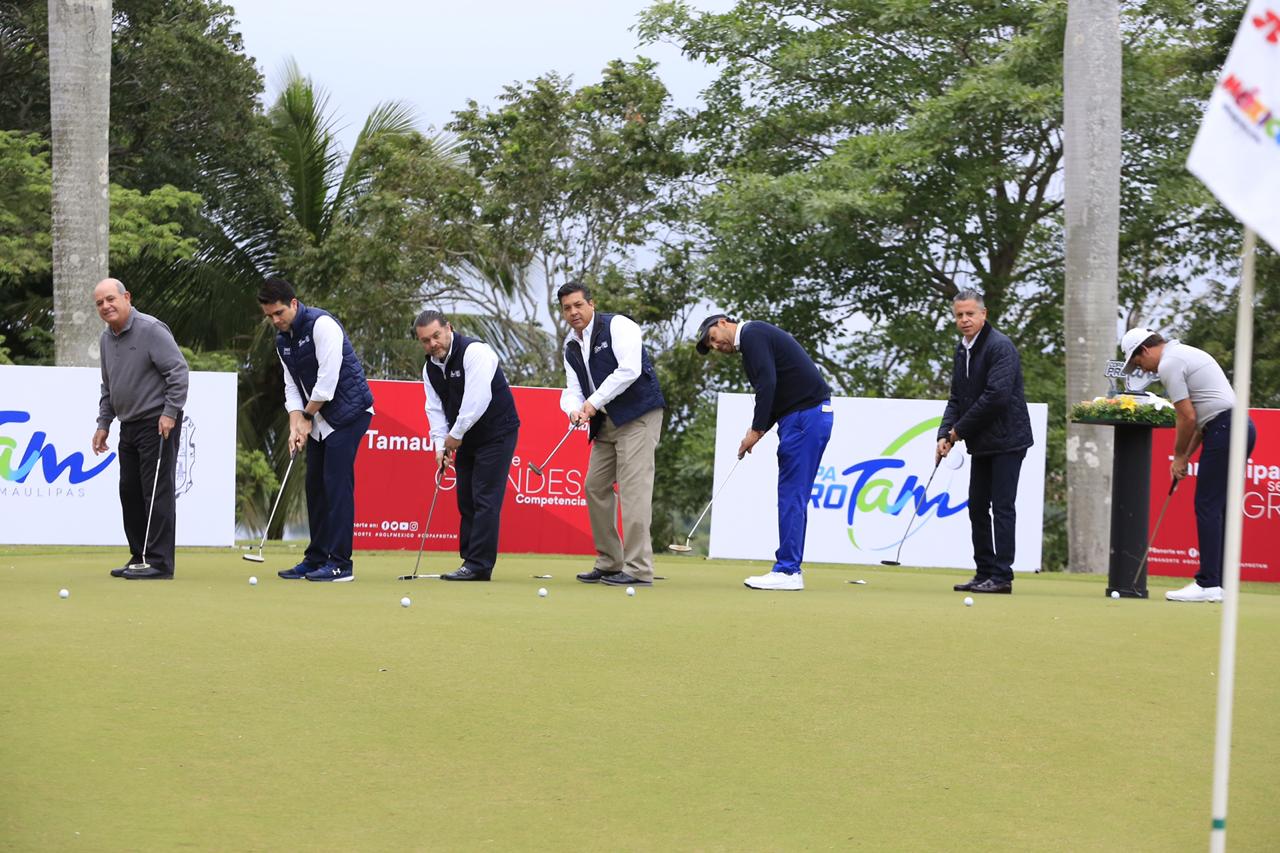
<point x="1130" y="506"/>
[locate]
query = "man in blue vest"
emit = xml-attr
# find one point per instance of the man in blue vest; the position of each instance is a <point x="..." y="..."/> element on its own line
<point x="610" y="385"/>
<point x="473" y="423"/>
<point x="791" y="393"/>
<point x="330" y="406"/>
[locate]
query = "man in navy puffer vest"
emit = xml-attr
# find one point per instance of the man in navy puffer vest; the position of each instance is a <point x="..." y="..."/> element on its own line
<point x="610" y="384"/>
<point x="330" y="407"/>
<point x="474" y="423"/>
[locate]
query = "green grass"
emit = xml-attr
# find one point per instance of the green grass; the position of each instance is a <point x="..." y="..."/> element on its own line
<point x="205" y="714"/>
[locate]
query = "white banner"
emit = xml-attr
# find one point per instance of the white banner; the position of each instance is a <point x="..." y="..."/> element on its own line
<point x="873" y="474"/>
<point x="1237" y="150"/>
<point x="54" y="491"/>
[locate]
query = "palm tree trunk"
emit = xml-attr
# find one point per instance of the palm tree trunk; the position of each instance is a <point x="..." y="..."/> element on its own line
<point x="79" y="101"/>
<point x="1091" y="102"/>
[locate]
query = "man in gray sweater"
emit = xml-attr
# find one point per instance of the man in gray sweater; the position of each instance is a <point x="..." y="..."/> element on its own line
<point x="144" y="385"/>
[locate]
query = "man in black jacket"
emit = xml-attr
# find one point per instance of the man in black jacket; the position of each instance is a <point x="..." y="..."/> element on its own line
<point x="988" y="412"/>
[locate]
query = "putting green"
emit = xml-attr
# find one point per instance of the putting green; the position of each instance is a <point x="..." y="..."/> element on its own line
<point x="206" y="714"/>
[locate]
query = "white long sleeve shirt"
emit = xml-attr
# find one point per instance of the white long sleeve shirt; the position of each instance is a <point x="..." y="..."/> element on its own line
<point x="627" y="348"/>
<point x="479" y="364"/>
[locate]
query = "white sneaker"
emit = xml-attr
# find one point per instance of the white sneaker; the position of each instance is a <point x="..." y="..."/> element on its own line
<point x="776" y="580"/>
<point x="1194" y="592"/>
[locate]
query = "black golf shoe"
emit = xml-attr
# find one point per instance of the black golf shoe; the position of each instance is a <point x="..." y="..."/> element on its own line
<point x="464" y="574"/>
<point x="992" y="586"/>
<point x="595" y="576"/>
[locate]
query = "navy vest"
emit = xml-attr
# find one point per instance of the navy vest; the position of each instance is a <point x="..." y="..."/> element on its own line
<point x="641" y="396"/>
<point x="297" y="349"/>
<point x="450" y="383"/>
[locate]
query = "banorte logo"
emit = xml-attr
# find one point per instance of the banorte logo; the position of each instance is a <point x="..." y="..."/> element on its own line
<point x="875" y="488"/>
<point x="16" y="469"/>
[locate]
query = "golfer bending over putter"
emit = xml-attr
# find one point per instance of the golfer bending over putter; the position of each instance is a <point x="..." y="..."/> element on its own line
<point x="791" y="393"/>
<point x="330" y="407"/>
<point x="473" y="421"/>
<point x="1202" y="403"/>
<point x="610" y="385"/>
<point x="988" y="412"/>
<point x="144" y="384"/>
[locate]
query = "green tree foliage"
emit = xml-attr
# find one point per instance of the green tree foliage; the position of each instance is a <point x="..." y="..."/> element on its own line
<point x="870" y="158"/>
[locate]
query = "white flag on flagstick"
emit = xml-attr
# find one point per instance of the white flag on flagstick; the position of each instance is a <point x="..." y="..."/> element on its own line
<point x="1237" y="151"/>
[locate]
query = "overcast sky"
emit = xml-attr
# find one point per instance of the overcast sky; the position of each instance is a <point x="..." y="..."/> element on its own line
<point x="437" y="55"/>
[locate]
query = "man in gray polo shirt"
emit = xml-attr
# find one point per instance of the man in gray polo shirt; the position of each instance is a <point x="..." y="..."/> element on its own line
<point x="1202" y="400"/>
<point x="144" y="385"/>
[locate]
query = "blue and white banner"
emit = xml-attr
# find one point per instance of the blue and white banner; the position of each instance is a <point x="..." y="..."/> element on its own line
<point x="54" y="491"/>
<point x="873" y="475"/>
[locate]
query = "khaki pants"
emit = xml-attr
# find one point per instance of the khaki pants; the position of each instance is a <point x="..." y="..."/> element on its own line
<point x="623" y="455"/>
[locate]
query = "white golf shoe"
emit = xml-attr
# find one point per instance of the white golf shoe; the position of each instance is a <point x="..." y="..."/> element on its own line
<point x="775" y="580"/>
<point x="1194" y="592"/>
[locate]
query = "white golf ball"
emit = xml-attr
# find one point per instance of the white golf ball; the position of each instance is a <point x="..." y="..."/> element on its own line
<point x="542" y="592"/>
<point x="62" y="593"/>
<point x="253" y="581"/>
<point x="631" y="590"/>
<point x="968" y="601"/>
<point x="1115" y="593"/>
<point x="405" y="602"/>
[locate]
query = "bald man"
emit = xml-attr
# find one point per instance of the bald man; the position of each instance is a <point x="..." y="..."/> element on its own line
<point x="144" y="386"/>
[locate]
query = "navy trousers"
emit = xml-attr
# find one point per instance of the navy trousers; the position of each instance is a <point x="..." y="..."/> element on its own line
<point x="331" y="493"/>
<point x="140" y="445"/>
<point x="482" y="484"/>
<point x="993" y="490"/>
<point x="1211" y="495"/>
<point x="802" y="438"/>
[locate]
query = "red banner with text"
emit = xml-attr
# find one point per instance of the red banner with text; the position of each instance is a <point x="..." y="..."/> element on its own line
<point x="1175" y="550"/>
<point x="395" y="471"/>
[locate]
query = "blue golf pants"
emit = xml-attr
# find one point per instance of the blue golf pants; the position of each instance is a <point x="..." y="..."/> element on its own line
<point x="802" y="438"/>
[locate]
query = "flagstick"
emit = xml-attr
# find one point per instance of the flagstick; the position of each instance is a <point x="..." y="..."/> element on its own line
<point x="1231" y="557"/>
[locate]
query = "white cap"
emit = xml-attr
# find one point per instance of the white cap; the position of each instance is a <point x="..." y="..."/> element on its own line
<point x="1129" y="345"/>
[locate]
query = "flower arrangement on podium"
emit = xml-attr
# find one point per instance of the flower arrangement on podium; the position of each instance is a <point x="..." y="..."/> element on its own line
<point x="1145" y="409"/>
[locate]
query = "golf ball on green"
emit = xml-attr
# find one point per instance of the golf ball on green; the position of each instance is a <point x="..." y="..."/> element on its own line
<point x="968" y="601"/>
<point x="631" y="590"/>
<point x="1115" y="593"/>
<point x="405" y="602"/>
<point x="62" y="593"/>
<point x="542" y="592"/>
<point x="253" y="581"/>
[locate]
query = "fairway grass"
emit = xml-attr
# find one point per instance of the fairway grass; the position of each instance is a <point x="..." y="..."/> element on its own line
<point x="208" y="714"/>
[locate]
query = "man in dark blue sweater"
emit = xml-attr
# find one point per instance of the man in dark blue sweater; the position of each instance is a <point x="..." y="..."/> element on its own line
<point x="791" y="393"/>
<point x="988" y="412"/>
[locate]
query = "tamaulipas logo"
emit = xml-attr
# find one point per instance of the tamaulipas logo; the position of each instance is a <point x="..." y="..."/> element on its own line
<point x="876" y="489"/>
<point x="41" y="458"/>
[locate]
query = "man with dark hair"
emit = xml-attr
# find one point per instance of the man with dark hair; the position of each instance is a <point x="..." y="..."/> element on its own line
<point x="144" y="384"/>
<point x="791" y="393"/>
<point x="1202" y="400"/>
<point x="610" y="385"/>
<point x="330" y="407"/>
<point x="988" y="412"/>
<point x="473" y="422"/>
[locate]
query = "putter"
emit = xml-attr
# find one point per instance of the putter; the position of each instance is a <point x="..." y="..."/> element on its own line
<point x="423" y="542"/>
<point x="258" y="558"/>
<point x="144" y="564"/>
<point x="914" y="512"/>
<point x="686" y="547"/>
<point x="1159" y="518"/>
<point x="537" y="469"/>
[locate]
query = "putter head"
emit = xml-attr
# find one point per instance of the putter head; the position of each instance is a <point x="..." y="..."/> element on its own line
<point x="415" y="577"/>
<point x="890" y="563"/>
<point x="253" y="558"/>
<point x="680" y="549"/>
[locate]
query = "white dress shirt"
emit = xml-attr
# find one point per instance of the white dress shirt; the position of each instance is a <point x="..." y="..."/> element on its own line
<point x="627" y="348"/>
<point x="479" y="364"/>
<point x="737" y="336"/>
<point x="326" y="335"/>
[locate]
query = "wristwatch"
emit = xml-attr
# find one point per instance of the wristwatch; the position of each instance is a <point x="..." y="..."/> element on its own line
<point x="308" y="415"/>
